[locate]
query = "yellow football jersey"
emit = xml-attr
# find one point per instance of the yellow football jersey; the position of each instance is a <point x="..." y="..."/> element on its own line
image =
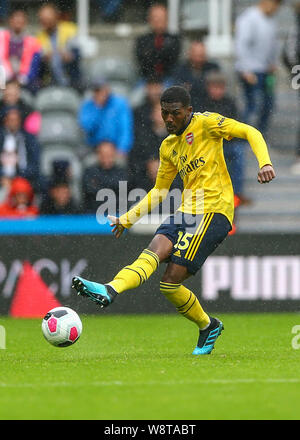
<point x="197" y="155"/>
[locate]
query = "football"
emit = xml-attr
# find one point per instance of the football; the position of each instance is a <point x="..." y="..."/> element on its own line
<point x="61" y="326"/>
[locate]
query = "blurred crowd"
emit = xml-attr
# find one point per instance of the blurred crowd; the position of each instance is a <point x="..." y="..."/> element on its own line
<point x="64" y="137"/>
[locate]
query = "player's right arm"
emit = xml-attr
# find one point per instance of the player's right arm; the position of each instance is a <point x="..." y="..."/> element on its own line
<point x="165" y="176"/>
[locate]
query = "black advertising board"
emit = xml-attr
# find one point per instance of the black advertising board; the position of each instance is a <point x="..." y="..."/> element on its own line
<point x="246" y="273"/>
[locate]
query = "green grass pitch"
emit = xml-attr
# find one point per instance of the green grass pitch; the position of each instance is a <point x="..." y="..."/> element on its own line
<point x="141" y="368"/>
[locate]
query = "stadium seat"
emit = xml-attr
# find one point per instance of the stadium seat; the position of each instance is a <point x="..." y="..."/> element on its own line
<point x="27" y="97"/>
<point x="115" y="69"/>
<point x="90" y="159"/>
<point x="120" y="88"/>
<point x="137" y="96"/>
<point x="53" y="99"/>
<point x="59" y="128"/>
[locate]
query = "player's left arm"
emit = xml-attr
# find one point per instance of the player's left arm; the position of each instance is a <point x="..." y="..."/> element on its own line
<point x="220" y="126"/>
<point x="259" y="147"/>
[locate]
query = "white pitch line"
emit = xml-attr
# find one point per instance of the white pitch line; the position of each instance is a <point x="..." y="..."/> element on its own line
<point x="151" y="383"/>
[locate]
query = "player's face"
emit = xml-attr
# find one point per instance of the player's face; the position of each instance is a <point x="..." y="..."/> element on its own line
<point x="18" y="22"/>
<point x="48" y="18"/>
<point x="175" y="116"/>
<point x="12" y="121"/>
<point x="158" y="19"/>
<point x="270" y="7"/>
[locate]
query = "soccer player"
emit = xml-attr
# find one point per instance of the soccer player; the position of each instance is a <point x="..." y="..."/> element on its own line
<point x="194" y="149"/>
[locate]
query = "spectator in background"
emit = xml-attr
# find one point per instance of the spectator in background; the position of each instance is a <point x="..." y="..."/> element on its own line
<point x="60" y="52"/>
<point x="20" y="53"/>
<point x="59" y="199"/>
<point x="158" y="51"/>
<point x="257" y="52"/>
<point x="144" y="157"/>
<point x="218" y="101"/>
<point x="105" y="174"/>
<point x="20" y="200"/>
<point x="192" y="73"/>
<point x="291" y="58"/>
<point x="61" y="170"/>
<point x="107" y="116"/>
<point x="11" y="97"/>
<point x="19" y="150"/>
<point x="142" y="113"/>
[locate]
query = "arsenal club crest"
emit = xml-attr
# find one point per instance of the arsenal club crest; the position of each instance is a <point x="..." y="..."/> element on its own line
<point x="189" y="138"/>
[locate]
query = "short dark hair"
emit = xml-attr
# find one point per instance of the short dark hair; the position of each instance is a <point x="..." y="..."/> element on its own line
<point x="18" y="11"/>
<point x="50" y="5"/>
<point x="176" y="94"/>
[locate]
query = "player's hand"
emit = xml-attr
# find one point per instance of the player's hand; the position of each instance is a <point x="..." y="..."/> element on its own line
<point x="266" y="174"/>
<point x="250" y="77"/>
<point x="117" y="227"/>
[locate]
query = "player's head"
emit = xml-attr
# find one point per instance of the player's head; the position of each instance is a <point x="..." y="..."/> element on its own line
<point x="12" y="120"/>
<point x="101" y="91"/>
<point x="48" y="16"/>
<point x="106" y="154"/>
<point x="154" y="89"/>
<point x="216" y="85"/>
<point x="11" y="93"/>
<point x="270" y="7"/>
<point x="176" y="108"/>
<point x="158" y="18"/>
<point x="197" y="53"/>
<point x="18" y="21"/>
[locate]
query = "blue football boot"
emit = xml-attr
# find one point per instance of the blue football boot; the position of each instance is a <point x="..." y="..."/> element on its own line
<point x="208" y="337"/>
<point x="99" y="293"/>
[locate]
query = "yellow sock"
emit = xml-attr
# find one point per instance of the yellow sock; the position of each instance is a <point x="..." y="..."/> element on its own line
<point x="186" y="303"/>
<point x="137" y="273"/>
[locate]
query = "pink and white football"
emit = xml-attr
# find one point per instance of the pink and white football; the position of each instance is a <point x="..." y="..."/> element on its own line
<point x="61" y="326"/>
